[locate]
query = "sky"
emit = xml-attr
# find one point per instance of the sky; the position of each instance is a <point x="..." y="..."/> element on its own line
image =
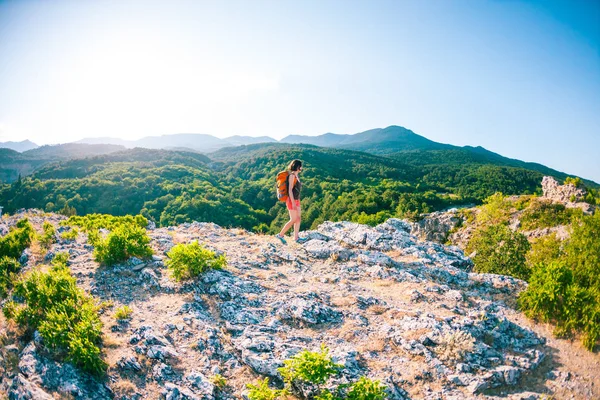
<point x="521" y="78"/>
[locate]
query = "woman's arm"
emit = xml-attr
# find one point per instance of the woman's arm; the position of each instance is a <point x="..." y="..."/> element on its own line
<point x="291" y="183"/>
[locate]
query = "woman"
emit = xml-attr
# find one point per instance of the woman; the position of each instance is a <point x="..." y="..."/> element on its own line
<point x="293" y="202"/>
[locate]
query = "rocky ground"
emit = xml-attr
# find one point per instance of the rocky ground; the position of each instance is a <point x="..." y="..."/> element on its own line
<point x="407" y="312"/>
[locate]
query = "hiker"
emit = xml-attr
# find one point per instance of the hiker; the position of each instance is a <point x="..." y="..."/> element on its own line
<point x="292" y="198"/>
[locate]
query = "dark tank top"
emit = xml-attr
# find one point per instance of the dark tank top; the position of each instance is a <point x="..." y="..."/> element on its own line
<point x="297" y="188"/>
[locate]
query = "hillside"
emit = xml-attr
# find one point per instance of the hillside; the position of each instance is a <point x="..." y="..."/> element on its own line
<point x="234" y="186"/>
<point x="407" y="313"/>
<point x="14" y="164"/>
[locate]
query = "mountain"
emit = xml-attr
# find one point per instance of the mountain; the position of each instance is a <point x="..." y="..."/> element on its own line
<point x="192" y="141"/>
<point x="72" y="150"/>
<point x="243" y="140"/>
<point x="379" y="141"/>
<point x="393" y="141"/>
<point x="19" y="146"/>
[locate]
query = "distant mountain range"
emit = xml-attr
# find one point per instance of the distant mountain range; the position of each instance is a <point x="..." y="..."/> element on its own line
<point x="182" y="141"/>
<point x="18" y="146"/>
<point x="394" y="141"/>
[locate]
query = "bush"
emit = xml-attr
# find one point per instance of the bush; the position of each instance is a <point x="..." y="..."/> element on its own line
<point x="566" y="289"/>
<point x="577" y="182"/>
<point x="262" y="391"/>
<point x="71" y="234"/>
<point x="553" y="295"/>
<point x="123" y="242"/>
<point x="366" y="389"/>
<point x="582" y="251"/>
<point x="495" y="210"/>
<point x="372" y="219"/>
<point x="18" y="239"/>
<point x="189" y="260"/>
<point x="123" y="313"/>
<point x="499" y="251"/>
<point x="92" y="222"/>
<point x="49" y="235"/>
<point x="545" y="214"/>
<point x="544" y="250"/>
<point x="308" y="366"/>
<point x="64" y="315"/>
<point x="454" y="345"/>
<point x="9" y="268"/>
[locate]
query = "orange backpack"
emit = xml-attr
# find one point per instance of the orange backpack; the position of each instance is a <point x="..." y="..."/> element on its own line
<point x="282" y="185"/>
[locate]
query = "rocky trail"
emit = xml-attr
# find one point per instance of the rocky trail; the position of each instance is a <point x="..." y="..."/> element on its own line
<point x="388" y="306"/>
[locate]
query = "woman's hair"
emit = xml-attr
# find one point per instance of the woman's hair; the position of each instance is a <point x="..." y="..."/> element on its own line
<point x="294" y="165"/>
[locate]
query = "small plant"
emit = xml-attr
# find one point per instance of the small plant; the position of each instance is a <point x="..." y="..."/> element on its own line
<point x="18" y="239"/>
<point x="9" y="268"/>
<point x="49" y="236"/>
<point x="366" y="389"/>
<point x="64" y="315"/>
<point x="262" y="391"/>
<point x="189" y="260"/>
<point x="219" y="381"/>
<point x="123" y="242"/>
<point x="71" y="234"/>
<point x="309" y="366"/>
<point x="123" y="313"/>
<point x="454" y="345"/>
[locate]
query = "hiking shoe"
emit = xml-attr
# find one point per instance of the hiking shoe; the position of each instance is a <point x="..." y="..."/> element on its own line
<point x="278" y="236"/>
<point x="301" y="240"/>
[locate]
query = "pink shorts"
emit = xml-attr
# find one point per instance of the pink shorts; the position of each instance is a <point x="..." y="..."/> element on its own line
<point x="288" y="203"/>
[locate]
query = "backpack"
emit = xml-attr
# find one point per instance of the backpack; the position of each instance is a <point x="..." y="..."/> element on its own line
<point x="282" y="185"/>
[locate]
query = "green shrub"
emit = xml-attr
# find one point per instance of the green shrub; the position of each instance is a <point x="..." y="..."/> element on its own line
<point x="49" y="236"/>
<point x="577" y="182"/>
<point x="123" y="313"/>
<point x="309" y="366"/>
<point x="544" y="214"/>
<point x="566" y="289"/>
<point x="9" y="268"/>
<point x="71" y="234"/>
<point x="544" y="250"/>
<point x="582" y="250"/>
<point x="371" y="219"/>
<point x="499" y="251"/>
<point x="18" y="239"/>
<point x="262" y="391"/>
<point x="123" y="242"/>
<point x="92" y="222"/>
<point x="553" y="295"/>
<point x="495" y="210"/>
<point x="189" y="260"/>
<point x="366" y="389"/>
<point x="65" y="316"/>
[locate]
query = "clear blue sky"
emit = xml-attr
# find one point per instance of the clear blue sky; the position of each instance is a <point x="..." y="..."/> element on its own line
<point x="521" y="78"/>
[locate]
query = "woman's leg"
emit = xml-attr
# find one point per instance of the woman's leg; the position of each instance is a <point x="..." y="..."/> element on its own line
<point x="289" y="224"/>
<point x="297" y="223"/>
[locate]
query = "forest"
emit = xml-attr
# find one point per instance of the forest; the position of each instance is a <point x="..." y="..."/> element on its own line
<point x="235" y="186"/>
